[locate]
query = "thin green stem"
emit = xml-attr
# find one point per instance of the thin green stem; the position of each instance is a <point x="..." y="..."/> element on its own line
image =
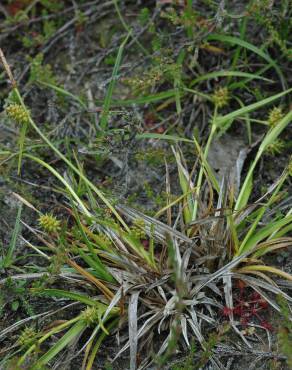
<point x="127" y="28"/>
<point x="205" y="154"/>
<point x="21" y="146"/>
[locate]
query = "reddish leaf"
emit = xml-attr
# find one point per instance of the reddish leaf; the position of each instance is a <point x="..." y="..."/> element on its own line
<point x="266" y="325"/>
<point x="226" y="311"/>
<point x="16" y="6"/>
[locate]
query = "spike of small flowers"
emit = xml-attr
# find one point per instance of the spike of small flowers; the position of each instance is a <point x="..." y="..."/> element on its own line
<point x="49" y="223"/>
<point x="138" y="228"/>
<point x="18" y="113"/>
<point x="275" y="115"/>
<point x="276" y="147"/>
<point x="90" y="315"/>
<point x="221" y="97"/>
<point x="27" y="337"/>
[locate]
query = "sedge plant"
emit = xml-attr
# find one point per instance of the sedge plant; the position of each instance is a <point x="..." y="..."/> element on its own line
<point x="139" y="273"/>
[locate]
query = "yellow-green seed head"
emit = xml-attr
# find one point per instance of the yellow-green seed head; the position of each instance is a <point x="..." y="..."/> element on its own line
<point x="221" y="97"/>
<point x="275" y="115"/>
<point x="90" y="315"/>
<point x="49" y="223"/>
<point x="138" y="228"/>
<point x="27" y="337"/>
<point x="276" y="147"/>
<point x="18" y="113"/>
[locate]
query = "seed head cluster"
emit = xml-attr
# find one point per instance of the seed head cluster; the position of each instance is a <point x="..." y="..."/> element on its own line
<point x="49" y="223"/>
<point x="138" y="229"/>
<point x="275" y="115"/>
<point x="27" y="337"/>
<point x="221" y="97"/>
<point x="276" y="147"/>
<point x="90" y="315"/>
<point x="18" y="113"/>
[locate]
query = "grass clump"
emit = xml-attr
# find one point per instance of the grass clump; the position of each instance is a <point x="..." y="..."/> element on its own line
<point x="168" y="279"/>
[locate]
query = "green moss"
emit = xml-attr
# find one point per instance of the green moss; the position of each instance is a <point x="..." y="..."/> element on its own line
<point x="39" y="71"/>
<point x="153" y="157"/>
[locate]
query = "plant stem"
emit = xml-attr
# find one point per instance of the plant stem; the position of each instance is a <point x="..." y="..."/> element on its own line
<point x="205" y="154"/>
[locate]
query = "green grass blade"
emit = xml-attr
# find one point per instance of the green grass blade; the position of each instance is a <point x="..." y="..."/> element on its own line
<point x="163" y="137"/>
<point x="217" y="74"/>
<point x="21" y="146"/>
<point x="261" y="212"/>
<point x="242" y="83"/>
<point x="151" y="98"/>
<point x="237" y="52"/>
<point x="47" y="335"/>
<point x="273" y="134"/>
<point x="207" y="168"/>
<point x="195" y="92"/>
<point x="283" y="232"/>
<point x="61" y="344"/>
<point x="99" y="342"/>
<point x="97" y="266"/>
<point x="246" y="189"/>
<point x="139" y="248"/>
<point x="270" y="137"/>
<point x="109" y="94"/>
<point x="64" y="182"/>
<point x="185" y="186"/>
<point x="127" y="28"/>
<point x="59" y="293"/>
<point x="64" y="92"/>
<point x="237" y="41"/>
<point x="93" y="260"/>
<point x="204" y="155"/>
<point x="152" y="245"/>
<point x="264" y="233"/>
<point x="8" y="258"/>
<point x="249" y="108"/>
